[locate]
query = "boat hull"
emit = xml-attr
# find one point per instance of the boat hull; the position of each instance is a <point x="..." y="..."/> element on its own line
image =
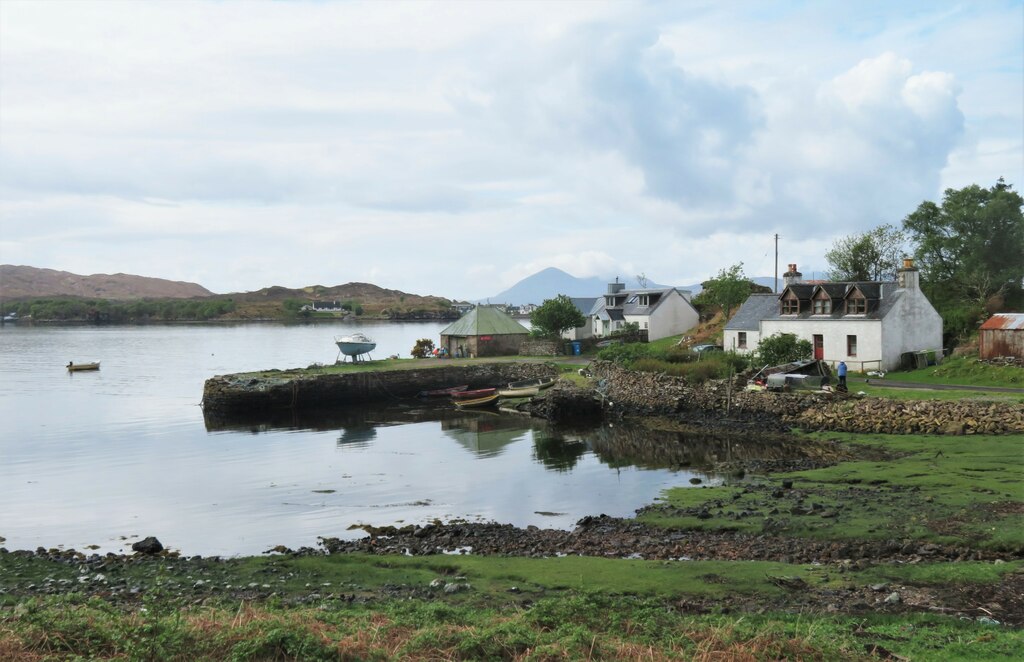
<point x="471" y="395"/>
<point x="526" y="392"/>
<point x="83" y="367"/>
<point x="443" y="392"/>
<point x="485" y="401"/>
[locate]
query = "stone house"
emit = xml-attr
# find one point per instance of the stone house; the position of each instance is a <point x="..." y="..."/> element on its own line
<point x="483" y="331"/>
<point x="869" y="325"/>
<point x="1002" y="335"/>
<point x="660" y="312"/>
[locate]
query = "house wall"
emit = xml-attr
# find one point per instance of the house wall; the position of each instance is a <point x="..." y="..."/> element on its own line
<point x="834" y="332"/>
<point x="731" y="342"/>
<point x="580" y="332"/>
<point x="674" y="316"/>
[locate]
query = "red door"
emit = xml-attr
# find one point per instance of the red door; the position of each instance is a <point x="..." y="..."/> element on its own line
<point x="819" y="347"/>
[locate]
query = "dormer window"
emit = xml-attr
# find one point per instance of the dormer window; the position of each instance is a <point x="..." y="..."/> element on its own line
<point x="822" y="304"/>
<point x="645" y="300"/>
<point x="856" y="304"/>
<point x="790" y="306"/>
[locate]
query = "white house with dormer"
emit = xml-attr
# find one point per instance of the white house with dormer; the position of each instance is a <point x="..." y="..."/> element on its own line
<point x="659" y="312"/>
<point x="869" y="325"/>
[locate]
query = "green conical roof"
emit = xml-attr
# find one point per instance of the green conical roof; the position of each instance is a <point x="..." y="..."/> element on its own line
<point x="484" y="321"/>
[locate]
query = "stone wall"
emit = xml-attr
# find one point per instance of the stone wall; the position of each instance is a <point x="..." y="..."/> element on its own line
<point x="311" y="388"/>
<point x="542" y="348"/>
<point x="652" y="393"/>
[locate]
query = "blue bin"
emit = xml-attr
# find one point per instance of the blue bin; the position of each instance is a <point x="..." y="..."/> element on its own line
<point x="576" y="348"/>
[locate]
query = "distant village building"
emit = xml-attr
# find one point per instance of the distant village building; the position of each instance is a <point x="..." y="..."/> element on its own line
<point x="462" y="307"/>
<point x="658" y="312"/>
<point x="323" y="307"/>
<point x="869" y="325"/>
<point x="483" y="331"/>
<point x="1002" y="335"/>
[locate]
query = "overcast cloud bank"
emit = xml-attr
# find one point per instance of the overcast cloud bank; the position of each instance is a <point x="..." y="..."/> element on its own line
<point x="453" y="149"/>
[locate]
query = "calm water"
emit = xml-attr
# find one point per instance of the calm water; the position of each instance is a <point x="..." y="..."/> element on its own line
<point x="104" y="458"/>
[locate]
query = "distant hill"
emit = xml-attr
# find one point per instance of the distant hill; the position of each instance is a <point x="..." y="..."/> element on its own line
<point x="551" y="282"/>
<point x="374" y="300"/>
<point x="20" y="282"/>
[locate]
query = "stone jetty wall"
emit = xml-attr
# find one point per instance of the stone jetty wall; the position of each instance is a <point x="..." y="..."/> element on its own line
<point x="654" y="393"/>
<point x="302" y="389"/>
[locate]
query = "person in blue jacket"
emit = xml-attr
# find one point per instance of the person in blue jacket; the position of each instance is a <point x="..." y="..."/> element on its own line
<point x="841" y="371"/>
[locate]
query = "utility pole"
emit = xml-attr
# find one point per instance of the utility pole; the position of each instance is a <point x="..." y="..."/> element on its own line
<point x="776" y="289"/>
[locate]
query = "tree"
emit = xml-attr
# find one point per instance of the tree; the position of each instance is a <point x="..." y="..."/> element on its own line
<point x="783" y="348"/>
<point x="641" y="279"/>
<point x="729" y="288"/>
<point x="970" y="247"/>
<point x="554" y="316"/>
<point x="873" y="255"/>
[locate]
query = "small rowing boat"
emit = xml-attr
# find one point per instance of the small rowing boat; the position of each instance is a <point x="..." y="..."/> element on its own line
<point x="443" y="392"/>
<point x="478" y="393"/>
<point x="81" y="367"/>
<point x="539" y="384"/>
<point x="477" y="402"/>
<point x="523" y="392"/>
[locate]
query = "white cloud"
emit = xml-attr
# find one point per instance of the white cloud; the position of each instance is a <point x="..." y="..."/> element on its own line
<point x="453" y="148"/>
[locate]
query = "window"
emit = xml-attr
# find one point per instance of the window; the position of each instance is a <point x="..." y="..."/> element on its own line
<point x="851" y="345"/>
<point x="856" y="305"/>
<point x="645" y="325"/>
<point x="790" y="306"/>
<point x="822" y="304"/>
<point x="741" y="339"/>
<point x="645" y="300"/>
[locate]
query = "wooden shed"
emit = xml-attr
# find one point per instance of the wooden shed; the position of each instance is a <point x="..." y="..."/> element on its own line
<point x="483" y="331"/>
<point x="1002" y="335"/>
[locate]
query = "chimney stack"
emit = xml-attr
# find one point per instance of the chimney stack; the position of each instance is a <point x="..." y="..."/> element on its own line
<point x="908" y="277"/>
<point x="792" y="276"/>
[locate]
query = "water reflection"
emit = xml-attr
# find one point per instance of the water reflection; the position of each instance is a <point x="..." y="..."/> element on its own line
<point x="626" y="445"/>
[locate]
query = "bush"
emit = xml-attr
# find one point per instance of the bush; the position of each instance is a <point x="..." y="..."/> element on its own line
<point x="423" y="348"/>
<point x="624" y="354"/>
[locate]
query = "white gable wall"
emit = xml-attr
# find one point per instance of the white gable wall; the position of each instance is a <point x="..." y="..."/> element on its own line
<point x="912" y="326"/>
<point x="673" y="315"/>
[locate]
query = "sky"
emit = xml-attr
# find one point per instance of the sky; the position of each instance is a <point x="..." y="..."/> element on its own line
<point x="453" y="149"/>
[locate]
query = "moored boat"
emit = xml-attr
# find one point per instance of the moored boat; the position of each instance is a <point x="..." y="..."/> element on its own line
<point x="81" y="367"/>
<point x="477" y="402"/>
<point x="539" y="384"/>
<point x="354" y="345"/>
<point x="443" y="392"/>
<point x="477" y="393"/>
<point x="522" y="392"/>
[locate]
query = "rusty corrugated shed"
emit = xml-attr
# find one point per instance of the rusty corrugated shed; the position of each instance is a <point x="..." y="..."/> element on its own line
<point x="1002" y="335"/>
<point x="1005" y="321"/>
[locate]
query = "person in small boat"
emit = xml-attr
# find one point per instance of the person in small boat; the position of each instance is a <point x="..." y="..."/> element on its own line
<point x="71" y="363"/>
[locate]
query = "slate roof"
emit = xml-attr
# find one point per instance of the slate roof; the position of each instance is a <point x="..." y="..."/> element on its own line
<point x="584" y="304"/>
<point x="484" y="321"/>
<point x="881" y="297"/>
<point x="756" y="308"/>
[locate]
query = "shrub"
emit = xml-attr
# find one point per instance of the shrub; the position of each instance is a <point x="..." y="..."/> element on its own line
<point x="624" y="354"/>
<point x="423" y="348"/>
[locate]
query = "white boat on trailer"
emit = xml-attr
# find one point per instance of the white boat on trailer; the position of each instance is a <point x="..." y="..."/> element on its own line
<point x="354" y="345"/>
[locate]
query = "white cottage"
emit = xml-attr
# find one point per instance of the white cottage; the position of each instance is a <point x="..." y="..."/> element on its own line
<point x="661" y="313"/>
<point x="869" y="325"/>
